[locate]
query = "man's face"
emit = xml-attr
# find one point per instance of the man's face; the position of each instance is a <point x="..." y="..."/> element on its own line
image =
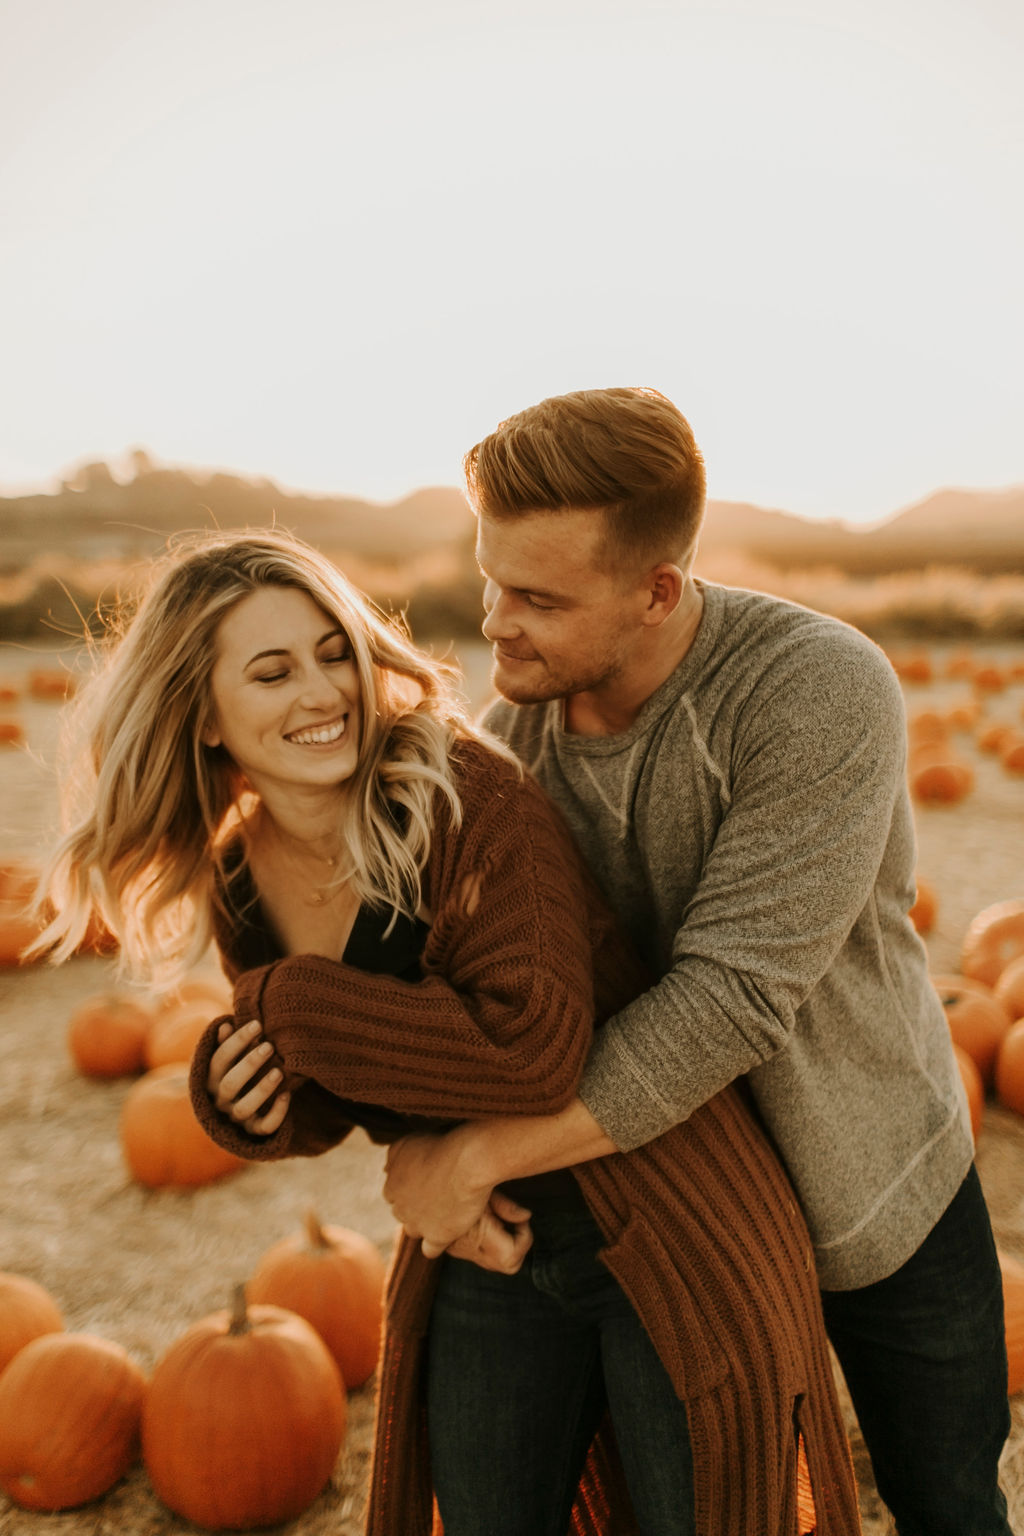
<point x="559" y="621"/>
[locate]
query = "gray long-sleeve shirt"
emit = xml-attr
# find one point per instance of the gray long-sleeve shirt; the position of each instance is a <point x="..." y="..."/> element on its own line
<point x="753" y="832"/>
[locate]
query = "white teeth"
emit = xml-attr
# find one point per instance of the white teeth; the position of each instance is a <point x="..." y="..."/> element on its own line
<point x="318" y="737"/>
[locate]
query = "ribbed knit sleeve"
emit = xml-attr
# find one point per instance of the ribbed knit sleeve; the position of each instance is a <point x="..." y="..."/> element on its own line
<point x="501" y="1021"/>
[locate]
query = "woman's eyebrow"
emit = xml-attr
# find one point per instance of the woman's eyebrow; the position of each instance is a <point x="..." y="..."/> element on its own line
<point x="332" y="634"/>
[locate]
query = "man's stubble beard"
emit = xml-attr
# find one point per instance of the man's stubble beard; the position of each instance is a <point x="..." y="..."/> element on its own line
<point x="547" y="688"/>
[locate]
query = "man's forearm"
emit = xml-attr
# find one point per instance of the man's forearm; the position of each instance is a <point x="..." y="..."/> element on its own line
<point x="514" y="1147"/>
<point x="439" y="1186"/>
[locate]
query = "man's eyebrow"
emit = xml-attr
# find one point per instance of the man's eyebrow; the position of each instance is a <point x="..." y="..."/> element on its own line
<point x="555" y="597"/>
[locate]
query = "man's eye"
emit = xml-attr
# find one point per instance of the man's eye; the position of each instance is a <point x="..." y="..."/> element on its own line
<point x="531" y="602"/>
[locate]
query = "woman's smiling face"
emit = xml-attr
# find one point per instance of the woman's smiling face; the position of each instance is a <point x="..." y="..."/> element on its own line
<point x="285" y="692"/>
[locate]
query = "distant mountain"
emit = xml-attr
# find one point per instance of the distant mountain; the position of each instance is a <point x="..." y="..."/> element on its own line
<point x="96" y="517"/>
<point x="981" y="531"/>
<point x="109" y="520"/>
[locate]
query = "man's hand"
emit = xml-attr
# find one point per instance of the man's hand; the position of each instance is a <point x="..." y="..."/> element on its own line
<point x="435" y="1195"/>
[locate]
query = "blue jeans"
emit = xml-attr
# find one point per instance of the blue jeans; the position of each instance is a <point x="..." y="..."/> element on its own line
<point x="924" y="1356"/>
<point x="521" y="1369"/>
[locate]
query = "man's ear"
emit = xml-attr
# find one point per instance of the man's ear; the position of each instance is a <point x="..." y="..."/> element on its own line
<point x="664" y="584"/>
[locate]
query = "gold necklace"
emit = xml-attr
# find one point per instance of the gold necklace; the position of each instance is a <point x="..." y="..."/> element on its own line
<point x="320" y="894"/>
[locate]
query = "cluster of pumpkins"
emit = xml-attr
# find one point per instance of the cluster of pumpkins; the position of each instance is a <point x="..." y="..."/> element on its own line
<point x="51" y="684"/>
<point x="242" y="1420"/>
<point x="984" y="1007"/>
<point x="937" y="770"/>
<point x="76" y="1411"/>
<point x="116" y="1034"/>
<point x="984" y="1001"/>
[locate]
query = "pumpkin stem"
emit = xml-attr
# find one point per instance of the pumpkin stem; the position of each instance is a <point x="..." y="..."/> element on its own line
<point x="239" y="1322"/>
<point x="314" y="1231"/>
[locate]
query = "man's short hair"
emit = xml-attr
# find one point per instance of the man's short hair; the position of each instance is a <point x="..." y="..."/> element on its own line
<point x="629" y="453"/>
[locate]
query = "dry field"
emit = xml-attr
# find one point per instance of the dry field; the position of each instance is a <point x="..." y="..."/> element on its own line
<point x="138" y="1266"/>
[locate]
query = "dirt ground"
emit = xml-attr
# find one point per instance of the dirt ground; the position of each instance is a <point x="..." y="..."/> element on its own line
<point x="138" y="1266"/>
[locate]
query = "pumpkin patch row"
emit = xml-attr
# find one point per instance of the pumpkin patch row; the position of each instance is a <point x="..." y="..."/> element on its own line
<point x="937" y="770"/>
<point x="116" y="1034"/>
<point x="243" y="1418"/>
<point x="984" y="1007"/>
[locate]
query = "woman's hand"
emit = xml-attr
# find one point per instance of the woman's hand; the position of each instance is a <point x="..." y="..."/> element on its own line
<point x="237" y="1061"/>
<point x="499" y="1240"/>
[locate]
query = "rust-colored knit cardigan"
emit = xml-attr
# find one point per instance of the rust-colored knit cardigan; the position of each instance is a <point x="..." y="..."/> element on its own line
<point x="702" y="1228"/>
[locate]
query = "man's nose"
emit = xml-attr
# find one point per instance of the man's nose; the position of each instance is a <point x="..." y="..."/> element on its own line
<point x="498" y="622"/>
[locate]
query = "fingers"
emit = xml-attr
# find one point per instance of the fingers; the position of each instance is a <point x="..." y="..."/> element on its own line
<point x="232" y="1044"/>
<point x="507" y="1209"/>
<point x="266" y="1125"/>
<point x="490" y="1245"/>
<point x="249" y="1105"/>
<point x="234" y="1065"/>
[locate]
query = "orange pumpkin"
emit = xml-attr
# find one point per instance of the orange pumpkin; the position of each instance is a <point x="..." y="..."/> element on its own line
<point x="976" y="1021"/>
<point x="10" y="693"/>
<point x="912" y="666"/>
<point x="1009" y="1072"/>
<point x="1012" y="754"/>
<point x="70" y="1409"/>
<point x="12" y="732"/>
<point x="989" y="678"/>
<point x="993" y="737"/>
<point x="1013" y="1308"/>
<point x="244" y="1418"/>
<point x="18" y="879"/>
<point x="107" y="1036"/>
<point x="960" y="665"/>
<point x="994" y="937"/>
<point x="973" y="1087"/>
<point x="162" y="1141"/>
<point x="941" y="783"/>
<point x="175" y="1035"/>
<point x="212" y="991"/>
<point x="927" y="727"/>
<point x="334" y="1278"/>
<point x="922" y="913"/>
<point x="963" y="717"/>
<point x="50" y="683"/>
<point x="16" y="932"/>
<point x="1009" y="989"/>
<point x="27" y="1310"/>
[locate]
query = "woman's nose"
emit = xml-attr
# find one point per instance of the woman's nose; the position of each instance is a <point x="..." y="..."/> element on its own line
<point x="319" y="691"/>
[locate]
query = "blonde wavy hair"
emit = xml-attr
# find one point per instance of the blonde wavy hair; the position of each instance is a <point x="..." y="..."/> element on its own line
<point x="147" y="808"/>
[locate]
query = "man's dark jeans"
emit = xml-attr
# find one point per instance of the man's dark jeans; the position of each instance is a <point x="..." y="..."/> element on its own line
<point x="924" y="1356"/>
<point x="521" y="1370"/>
<point x="923" y="1352"/>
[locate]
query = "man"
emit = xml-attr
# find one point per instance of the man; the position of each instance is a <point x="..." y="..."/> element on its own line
<point x="733" y="769"/>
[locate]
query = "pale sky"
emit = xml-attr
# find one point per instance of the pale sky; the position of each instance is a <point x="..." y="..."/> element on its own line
<point x="333" y="242"/>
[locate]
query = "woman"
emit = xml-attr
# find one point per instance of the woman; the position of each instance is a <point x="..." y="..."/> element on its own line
<point x="413" y="941"/>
